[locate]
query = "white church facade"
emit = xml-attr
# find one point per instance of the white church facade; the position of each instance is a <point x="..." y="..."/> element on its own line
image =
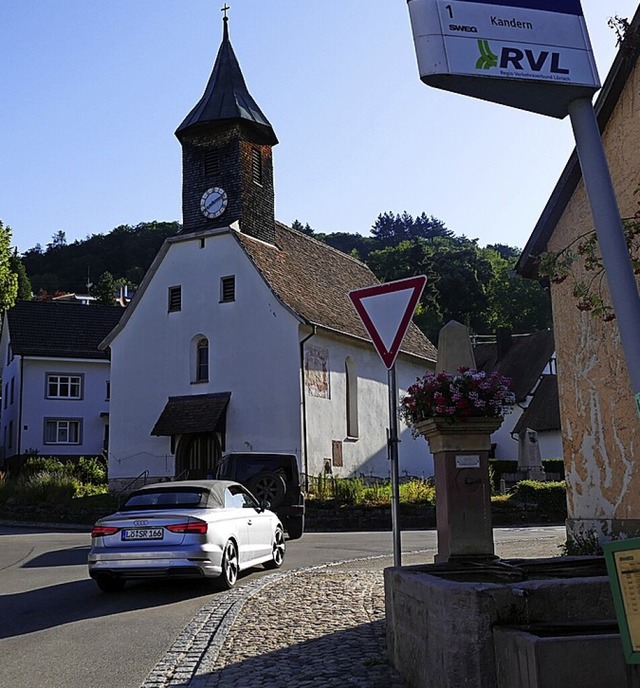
<point x="242" y="336"/>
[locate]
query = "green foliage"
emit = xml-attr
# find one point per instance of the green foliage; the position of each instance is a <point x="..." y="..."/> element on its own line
<point x="417" y="492"/>
<point x="47" y="488"/>
<point x="582" y="544"/>
<point x="554" y="466"/>
<point x="45" y="464"/>
<point x="126" y="252"/>
<point x="358" y="492"/>
<point x="465" y="282"/>
<point x="92" y="470"/>
<point x="8" y="277"/>
<point x="548" y="496"/>
<point x="105" y="290"/>
<point x="520" y="304"/>
<point x="581" y="263"/>
<point x="90" y="490"/>
<point x="24" y="285"/>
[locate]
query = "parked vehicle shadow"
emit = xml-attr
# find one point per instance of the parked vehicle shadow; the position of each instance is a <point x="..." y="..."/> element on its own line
<point x="74" y="556"/>
<point x="55" y="605"/>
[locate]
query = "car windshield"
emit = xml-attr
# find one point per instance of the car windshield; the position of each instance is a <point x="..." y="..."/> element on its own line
<point x="165" y="498"/>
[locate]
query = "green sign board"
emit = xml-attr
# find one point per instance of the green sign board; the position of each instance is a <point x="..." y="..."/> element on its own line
<point x="623" y="566"/>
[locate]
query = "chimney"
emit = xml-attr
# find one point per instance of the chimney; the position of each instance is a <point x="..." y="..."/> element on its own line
<point x="503" y="342"/>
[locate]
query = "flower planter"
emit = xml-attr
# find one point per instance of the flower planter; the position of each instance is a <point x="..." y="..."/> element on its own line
<point x="472" y="434"/>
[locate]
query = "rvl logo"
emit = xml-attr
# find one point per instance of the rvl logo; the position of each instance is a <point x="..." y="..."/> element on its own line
<point x="519" y="60"/>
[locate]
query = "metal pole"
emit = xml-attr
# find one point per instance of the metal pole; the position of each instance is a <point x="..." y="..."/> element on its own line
<point x="610" y="233"/>
<point x="393" y="458"/>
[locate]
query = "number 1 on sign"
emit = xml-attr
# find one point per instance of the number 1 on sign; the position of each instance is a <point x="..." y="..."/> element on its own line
<point x="450" y="11"/>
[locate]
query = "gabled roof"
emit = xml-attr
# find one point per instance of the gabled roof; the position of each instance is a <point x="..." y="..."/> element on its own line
<point x="524" y="361"/>
<point x="60" y="329"/>
<point x="543" y="413"/>
<point x="226" y="97"/>
<point x="313" y="280"/>
<point x="614" y="84"/>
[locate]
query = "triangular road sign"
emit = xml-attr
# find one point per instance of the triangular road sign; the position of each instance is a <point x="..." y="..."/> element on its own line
<point x="386" y="311"/>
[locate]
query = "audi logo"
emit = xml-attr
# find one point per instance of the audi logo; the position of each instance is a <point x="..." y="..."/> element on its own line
<point x="141" y="522"/>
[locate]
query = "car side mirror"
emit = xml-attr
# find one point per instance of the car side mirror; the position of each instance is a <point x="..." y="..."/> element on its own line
<point x="264" y="505"/>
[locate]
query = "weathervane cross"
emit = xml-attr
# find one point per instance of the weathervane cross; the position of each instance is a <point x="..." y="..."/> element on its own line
<point x="225" y="9"/>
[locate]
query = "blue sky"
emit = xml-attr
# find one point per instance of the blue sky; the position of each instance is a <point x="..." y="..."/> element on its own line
<point x="92" y="92"/>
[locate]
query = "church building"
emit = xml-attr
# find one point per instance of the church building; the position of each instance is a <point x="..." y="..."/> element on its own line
<point x="241" y="336"/>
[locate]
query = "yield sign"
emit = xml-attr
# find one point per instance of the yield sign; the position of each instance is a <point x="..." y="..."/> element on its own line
<point x="386" y="311"/>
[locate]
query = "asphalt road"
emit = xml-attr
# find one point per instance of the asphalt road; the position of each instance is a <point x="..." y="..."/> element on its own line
<point x="57" y="629"/>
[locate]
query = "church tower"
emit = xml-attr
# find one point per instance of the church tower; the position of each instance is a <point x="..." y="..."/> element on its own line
<point x="227" y="168"/>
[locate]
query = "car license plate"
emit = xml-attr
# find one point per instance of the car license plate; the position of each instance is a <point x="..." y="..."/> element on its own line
<point x="143" y="533"/>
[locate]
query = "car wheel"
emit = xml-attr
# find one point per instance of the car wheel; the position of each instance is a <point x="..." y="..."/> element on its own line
<point x="110" y="583"/>
<point x="295" y="527"/>
<point x="278" y="550"/>
<point x="269" y="486"/>
<point x="230" y="566"/>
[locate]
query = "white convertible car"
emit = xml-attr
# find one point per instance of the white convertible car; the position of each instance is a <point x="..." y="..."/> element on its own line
<point x="185" y="529"/>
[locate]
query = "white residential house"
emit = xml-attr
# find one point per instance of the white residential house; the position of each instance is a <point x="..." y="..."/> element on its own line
<point x="55" y="380"/>
<point x="529" y="360"/>
<point x="241" y="335"/>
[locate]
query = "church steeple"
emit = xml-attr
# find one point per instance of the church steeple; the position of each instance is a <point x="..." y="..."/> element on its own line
<point x="227" y="162"/>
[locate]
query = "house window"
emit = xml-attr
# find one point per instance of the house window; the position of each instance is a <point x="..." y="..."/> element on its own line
<point x="108" y="397"/>
<point x="12" y="390"/>
<point x="175" y="299"/>
<point x="6" y="394"/>
<point x="9" y="353"/>
<point x="10" y="445"/>
<point x="351" y="398"/>
<point x="202" y="360"/>
<point x="228" y="289"/>
<point x="64" y="386"/>
<point x="256" y="166"/>
<point x="61" y="431"/>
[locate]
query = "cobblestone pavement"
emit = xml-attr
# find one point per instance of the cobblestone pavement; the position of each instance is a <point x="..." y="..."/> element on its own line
<point x="321" y="626"/>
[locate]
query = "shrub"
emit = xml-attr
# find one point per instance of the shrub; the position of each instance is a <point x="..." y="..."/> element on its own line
<point x="46" y="488"/>
<point x="547" y="496"/>
<point x="581" y="544"/>
<point x="418" y="492"/>
<point x="45" y="464"/>
<point x="360" y="492"/>
<point x="92" y="470"/>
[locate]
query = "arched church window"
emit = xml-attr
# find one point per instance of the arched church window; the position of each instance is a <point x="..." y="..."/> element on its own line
<point x="351" y="398"/>
<point x="200" y="359"/>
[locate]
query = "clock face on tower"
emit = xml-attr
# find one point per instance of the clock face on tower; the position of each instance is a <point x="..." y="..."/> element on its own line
<point x="213" y="202"/>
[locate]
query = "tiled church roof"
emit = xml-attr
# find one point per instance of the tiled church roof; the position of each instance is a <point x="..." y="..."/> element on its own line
<point x="313" y="280"/>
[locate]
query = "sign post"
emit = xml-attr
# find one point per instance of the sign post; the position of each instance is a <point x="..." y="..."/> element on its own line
<point x="386" y="311"/>
<point x="536" y="55"/>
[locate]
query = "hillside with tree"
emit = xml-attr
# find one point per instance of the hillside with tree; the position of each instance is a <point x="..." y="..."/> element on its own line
<point x="474" y="285"/>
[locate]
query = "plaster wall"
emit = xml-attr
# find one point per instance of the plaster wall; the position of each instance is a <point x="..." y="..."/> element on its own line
<point x="91" y="410"/>
<point x="364" y="454"/>
<point x="601" y="434"/>
<point x="253" y="353"/>
<point x="10" y="413"/>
